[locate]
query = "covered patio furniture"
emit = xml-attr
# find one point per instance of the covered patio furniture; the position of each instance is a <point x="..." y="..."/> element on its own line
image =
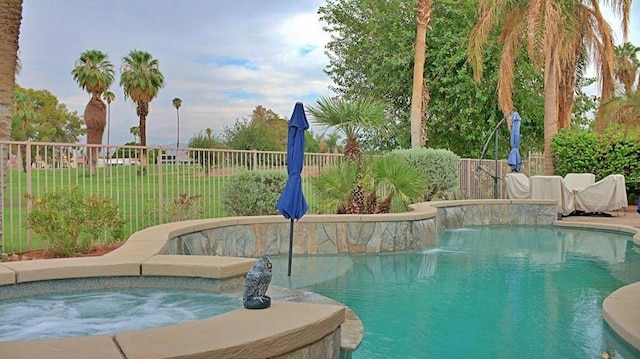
<point x="517" y="185"/>
<point x="608" y="194"/>
<point x="553" y="187"/>
<point x="579" y="180"/>
<point x="575" y="193"/>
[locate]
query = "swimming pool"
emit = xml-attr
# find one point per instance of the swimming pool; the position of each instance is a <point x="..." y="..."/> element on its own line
<point x="485" y="292"/>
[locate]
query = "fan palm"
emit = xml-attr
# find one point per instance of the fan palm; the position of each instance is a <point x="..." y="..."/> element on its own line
<point x="109" y="97"/>
<point x="626" y="66"/>
<point x="141" y="80"/>
<point x="398" y="181"/>
<point x="94" y="73"/>
<point x="348" y="117"/>
<point x="623" y="109"/>
<point x="555" y="34"/>
<point x="10" y="18"/>
<point x="368" y="187"/>
<point x="177" y="103"/>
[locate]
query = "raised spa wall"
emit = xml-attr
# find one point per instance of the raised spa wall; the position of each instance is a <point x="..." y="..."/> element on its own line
<point x="213" y="249"/>
<point x="333" y="234"/>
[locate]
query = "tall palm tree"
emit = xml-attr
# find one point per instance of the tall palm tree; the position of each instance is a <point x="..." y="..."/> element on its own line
<point x="109" y="97"/>
<point x="625" y="107"/>
<point x="22" y="122"/>
<point x="626" y="66"/>
<point x="348" y="117"/>
<point x="177" y="102"/>
<point x="420" y="92"/>
<point x="141" y="80"/>
<point x="209" y="132"/>
<point x="135" y="132"/>
<point x="94" y="73"/>
<point x="10" y="18"/>
<point x="555" y="34"/>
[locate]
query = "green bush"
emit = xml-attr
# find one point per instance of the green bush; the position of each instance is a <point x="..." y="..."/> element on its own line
<point x="70" y="221"/>
<point x="253" y="193"/>
<point x="439" y="168"/>
<point x="181" y="208"/>
<point x="614" y="151"/>
<point x="372" y="185"/>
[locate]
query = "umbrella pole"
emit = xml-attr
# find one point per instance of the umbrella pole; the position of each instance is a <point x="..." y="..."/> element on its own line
<point x="290" y="248"/>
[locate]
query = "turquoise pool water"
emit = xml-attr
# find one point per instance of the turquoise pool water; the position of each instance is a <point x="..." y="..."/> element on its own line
<point x="487" y="292"/>
<point x="106" y="312"/>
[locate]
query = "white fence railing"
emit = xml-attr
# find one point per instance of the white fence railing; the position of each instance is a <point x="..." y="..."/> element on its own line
<point x="146" y="189"/>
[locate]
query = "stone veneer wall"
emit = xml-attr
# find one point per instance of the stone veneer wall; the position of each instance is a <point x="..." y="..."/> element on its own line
<point x="357" y="236"/>
<point x="327" y="347"/>
<point x="495" y="214"/>
<point x="253" y="240"/>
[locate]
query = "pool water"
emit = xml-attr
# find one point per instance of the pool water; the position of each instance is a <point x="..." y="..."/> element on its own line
<point x="486" y="292"/>
<point x="106" y="312"/>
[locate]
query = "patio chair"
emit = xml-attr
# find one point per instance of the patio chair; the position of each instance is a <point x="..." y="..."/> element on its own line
<point x="608" y="194"/>
<point x="555" y="188"/>
<point x="517" y="185"/>
<point x="579" y="180"/>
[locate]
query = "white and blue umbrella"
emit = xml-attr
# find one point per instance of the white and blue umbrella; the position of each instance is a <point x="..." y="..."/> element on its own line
<point x="514" y="160"/>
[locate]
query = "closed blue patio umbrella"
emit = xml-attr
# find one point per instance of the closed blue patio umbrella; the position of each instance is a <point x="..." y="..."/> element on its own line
<point x="514" y="160"/>
<point x="291" y="203"/>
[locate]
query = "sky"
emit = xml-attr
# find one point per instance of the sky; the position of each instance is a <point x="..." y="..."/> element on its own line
<point x="222" y="58"/>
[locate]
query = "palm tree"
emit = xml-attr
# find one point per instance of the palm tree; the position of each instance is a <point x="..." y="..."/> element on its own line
<point x="94" y="73"/>
<point x="177" y="102"/>
<point x="626" y="66"/>
<point x="141" y="79"/>
<point x="420" y="92"/>
<point x="625" y="107"/>
<point x="556" y="36"/>
<point x="135" y="132"/>
<point x="209" y="132"/>
<point x="10" y="18"/>
<point x="22" y="122"/>
<point x="385" y="180"/>
<point x="348" y="117"/>
<point x="109" y="97"/>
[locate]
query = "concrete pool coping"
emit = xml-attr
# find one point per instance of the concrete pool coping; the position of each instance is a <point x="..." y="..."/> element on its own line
<point x="144" y="254"/>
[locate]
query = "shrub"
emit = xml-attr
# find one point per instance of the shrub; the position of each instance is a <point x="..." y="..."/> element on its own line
<point x="253" y="193"/>
<point x="181" y="208"/>
<point x="438" y="166"/>
<point x="614" y="151"/>
<point x="70" y="221"/>
<point x="370" y="185"/>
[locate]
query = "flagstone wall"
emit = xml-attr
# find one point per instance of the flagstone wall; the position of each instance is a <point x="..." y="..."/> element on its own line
<point x="332" y="234"/>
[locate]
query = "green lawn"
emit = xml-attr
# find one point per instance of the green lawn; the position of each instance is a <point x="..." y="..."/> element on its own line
<point x="138" y="195"/>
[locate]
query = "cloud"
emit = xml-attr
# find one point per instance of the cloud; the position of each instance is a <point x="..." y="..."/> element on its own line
<point x="221" y="58"/>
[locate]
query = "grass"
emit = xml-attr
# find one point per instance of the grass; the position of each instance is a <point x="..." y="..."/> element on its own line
<point x="141" y="197"/>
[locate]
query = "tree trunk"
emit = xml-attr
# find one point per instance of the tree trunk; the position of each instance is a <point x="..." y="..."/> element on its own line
<point x="10" y="18"/>
<point x="422" y="23"/>
<point x="143" y="110"/>
<point x="550" y="110"/>
<point x="95" y="117"/>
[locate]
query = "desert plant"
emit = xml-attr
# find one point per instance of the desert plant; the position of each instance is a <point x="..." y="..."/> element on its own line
<point x="70" y="221"/>
<point x="182" y="208"/>
<point x="253" y="193"/>
<point x="373" y="185"/>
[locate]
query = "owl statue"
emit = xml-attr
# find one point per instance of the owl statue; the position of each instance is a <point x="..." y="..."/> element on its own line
<point x="256" y="285"/>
